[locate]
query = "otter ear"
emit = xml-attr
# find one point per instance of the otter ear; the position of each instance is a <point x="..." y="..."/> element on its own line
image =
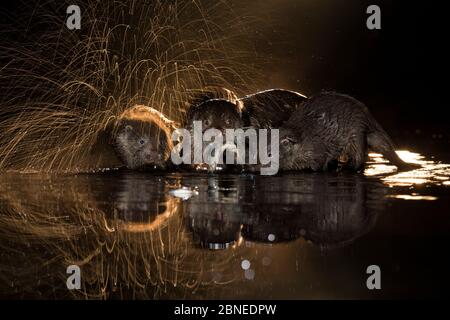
<point x="128" y="128"/>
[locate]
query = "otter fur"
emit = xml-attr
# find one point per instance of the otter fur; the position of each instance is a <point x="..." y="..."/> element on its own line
<point x="264" y="109"/>
<point x="269" y="108"/>
<point x="142" y="138"/>
<point x="332" y="128"/>
<point x="198" y="96"/>
<point x="215" y="113"/>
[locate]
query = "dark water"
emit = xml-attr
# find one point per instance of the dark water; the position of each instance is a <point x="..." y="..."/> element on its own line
<point x="142" y="235"/>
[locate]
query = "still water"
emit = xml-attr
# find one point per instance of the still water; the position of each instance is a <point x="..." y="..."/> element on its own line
<point x="198" y="236"/>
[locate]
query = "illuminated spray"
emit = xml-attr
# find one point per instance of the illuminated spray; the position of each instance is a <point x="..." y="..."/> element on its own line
<point x="64" y="85"/>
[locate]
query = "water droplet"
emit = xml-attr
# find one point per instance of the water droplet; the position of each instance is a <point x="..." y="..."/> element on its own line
<point x="245" y="264"/>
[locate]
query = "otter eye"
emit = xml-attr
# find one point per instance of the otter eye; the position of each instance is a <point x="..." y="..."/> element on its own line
<point x="207" y="123"/>
<point x="141" y="141"/>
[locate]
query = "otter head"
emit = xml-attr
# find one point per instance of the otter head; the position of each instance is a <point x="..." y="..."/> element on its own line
<point x="215" y="113"/>
<point x="289" y="149"/>
<point x="219" y="114"/>
<point x="141" y="144"/>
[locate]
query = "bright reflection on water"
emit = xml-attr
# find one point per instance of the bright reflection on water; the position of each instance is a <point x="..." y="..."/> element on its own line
<point x="430" y="172"/>
<point x="138" y="235"/>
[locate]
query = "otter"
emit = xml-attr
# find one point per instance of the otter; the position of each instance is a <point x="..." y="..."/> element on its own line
<point x="142" y="138"/>
<point x="264" y="109"/>
<point x="219" y="114"/>
<point x="215" y="113"/>
<point x="270" y="108"/>
<point x="332" y="129"/>
<point x="198" y="96"/>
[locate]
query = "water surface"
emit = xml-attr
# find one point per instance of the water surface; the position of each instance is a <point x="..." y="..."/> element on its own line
<point x="197" y="236"/>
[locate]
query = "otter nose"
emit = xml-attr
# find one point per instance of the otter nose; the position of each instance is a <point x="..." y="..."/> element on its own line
<point x="151" y="155"/>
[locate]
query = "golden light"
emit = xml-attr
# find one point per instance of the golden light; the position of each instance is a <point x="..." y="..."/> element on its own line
<point x="157" y="223"/>
<point x="412" y="197"/>
<point x="430" y="172"/>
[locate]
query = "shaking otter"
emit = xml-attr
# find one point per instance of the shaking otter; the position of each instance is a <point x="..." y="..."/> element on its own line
<point x="331" y="128"/>
<point x="142" y="138"/>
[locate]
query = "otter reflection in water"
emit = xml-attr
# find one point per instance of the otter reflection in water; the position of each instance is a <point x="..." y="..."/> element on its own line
<point x="328" y="210"/>
<point x="138" y="203"/>
<point x="215" y="216"/>
<point x="122" y="229"/>
<point x="132" y="239"/>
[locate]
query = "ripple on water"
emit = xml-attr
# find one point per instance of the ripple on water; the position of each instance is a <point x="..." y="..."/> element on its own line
<point x="137" y="228"/>
<point x="430" y="173"/>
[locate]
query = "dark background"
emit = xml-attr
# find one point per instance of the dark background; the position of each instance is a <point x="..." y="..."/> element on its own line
<point x="398" y="71"/>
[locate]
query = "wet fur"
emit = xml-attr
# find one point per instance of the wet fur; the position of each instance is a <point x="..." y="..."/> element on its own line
<point x="264" y="109"/>
<point x="270" y="108"/>
<point x="219" y="114"/>
<point x="142" y="138"/>
<point x="215" y="113"/>
<point x="199" y="96"/>
<point x="333" y="128"/>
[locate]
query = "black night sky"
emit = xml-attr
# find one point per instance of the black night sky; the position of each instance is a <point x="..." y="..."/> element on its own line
<point x="396" y="71"/>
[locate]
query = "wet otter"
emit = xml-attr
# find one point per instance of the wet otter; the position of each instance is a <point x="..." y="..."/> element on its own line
<point x="142" y="138"/>
<point x="198" y="96"/>
<point x="215" y="113"/>
<point x="264" y="109"/>
<point x="330" y="128"/>
<point x="270" y="108"/>
<point x="219" y="114"/>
